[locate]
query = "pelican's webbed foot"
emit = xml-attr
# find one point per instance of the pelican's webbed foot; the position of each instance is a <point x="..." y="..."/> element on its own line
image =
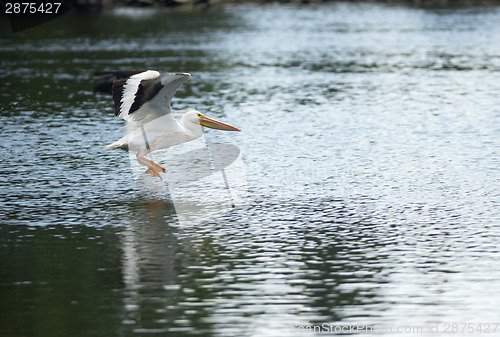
<point x="153" y="168"/>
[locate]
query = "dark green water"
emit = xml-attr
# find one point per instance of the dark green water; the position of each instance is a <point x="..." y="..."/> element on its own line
<point x="370" y="141"/>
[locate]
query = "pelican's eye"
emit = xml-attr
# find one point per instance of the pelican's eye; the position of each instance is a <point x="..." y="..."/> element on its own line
<point x="200" y="115"/>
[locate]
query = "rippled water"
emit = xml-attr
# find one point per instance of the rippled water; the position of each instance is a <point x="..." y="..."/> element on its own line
<point x="370" y="141"/>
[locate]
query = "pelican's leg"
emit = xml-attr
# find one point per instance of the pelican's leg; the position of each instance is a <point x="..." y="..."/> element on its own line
<point x="153" y="168"/>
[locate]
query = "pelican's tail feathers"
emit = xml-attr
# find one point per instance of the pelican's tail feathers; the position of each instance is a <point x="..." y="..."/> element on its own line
<point x="119" y="144"/>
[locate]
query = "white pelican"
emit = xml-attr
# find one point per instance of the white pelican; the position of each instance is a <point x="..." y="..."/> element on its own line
<point x="142" y="99"/>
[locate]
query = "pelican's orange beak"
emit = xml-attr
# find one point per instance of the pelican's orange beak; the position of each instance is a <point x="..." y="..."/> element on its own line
<point x="215" y="124"/>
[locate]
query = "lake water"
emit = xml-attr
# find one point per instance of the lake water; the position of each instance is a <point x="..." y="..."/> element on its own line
<point x="370" y="143"/>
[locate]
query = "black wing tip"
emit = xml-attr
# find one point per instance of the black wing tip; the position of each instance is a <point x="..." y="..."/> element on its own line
<point x="104" y="83"/>
<point x="146" y="91"/>
<point x="117" y="91"/>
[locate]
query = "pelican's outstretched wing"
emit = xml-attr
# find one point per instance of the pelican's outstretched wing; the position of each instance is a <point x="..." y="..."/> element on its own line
<point x="146" y="96"/>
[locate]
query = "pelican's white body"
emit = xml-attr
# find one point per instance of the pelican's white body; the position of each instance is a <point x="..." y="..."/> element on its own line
<point x="160" y="133"/>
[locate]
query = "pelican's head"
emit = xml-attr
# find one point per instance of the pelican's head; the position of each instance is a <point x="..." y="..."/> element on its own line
<point x="198" y="118"/>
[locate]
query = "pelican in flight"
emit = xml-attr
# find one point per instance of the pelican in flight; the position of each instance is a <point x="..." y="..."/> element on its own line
<point x="142" y="99"/>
